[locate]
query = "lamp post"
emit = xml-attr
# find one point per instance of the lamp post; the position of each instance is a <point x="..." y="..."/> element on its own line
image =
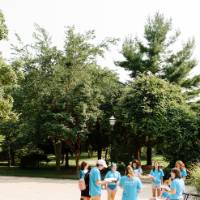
<point x="112" y="121"/>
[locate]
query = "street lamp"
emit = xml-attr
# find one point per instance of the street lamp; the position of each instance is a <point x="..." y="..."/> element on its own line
<point x="112" y="120"/>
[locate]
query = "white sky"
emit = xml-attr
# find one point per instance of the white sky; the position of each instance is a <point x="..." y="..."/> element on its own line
<point x="109" y="18"/>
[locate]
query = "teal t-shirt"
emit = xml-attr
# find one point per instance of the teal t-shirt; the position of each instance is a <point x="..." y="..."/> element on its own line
<point x="111" y="174"/>
<point x="130" y="186"/>
<point x="95" y="190"/>
<point x="183" y="173"/>
<point x="178" y="185"/>
<point x="157" y="176"/>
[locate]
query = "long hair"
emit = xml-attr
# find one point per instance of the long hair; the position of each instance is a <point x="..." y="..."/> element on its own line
<point x="176" y="171"/>
<point x="137" y="162"/>
<point x="129" y="171"/>
<point x="181" y="164"/>
<point x="83" y="165"/>
<point x="154" y="168"/>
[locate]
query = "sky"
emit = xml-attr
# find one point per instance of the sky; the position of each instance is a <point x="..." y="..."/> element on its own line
<point x="109" y="18"/>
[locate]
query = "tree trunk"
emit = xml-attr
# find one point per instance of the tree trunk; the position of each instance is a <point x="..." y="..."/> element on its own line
<point x="9" y="154"/>
<point x="99" y="152"/>
<point x="13" y="158"/>
<point x="149" y="155"/>
<point x="137" y="152"/>
<point x="78" y="153"/>
<point x="67" y="159"/>
<point x="57" y="149"/>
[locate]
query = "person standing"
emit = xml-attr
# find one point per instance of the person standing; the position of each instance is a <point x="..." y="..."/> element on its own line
<point x="176" y="186"/>
<point x="112" y="186"/>
<point x="157" y="178"/>
<point x="84" y="177"/>
<point x="181" y="166"/>
<point x="130" y="184"/>
<point x="95" y="180"/>
<point x="137" y="169"/>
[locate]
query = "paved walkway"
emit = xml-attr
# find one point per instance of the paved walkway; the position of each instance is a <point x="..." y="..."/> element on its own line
<point x="20" y="188"/>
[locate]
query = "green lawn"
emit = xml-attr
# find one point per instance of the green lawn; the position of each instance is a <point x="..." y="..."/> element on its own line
<point x="49" y="171"/>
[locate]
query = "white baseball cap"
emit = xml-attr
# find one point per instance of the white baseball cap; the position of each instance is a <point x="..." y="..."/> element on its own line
<point x="102" y="162"/>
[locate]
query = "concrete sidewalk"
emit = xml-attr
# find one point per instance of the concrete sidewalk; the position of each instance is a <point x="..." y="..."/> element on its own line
<point x="24" y="188"/>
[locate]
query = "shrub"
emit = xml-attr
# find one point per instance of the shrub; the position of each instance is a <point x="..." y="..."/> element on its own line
<point x="195" y="177"/>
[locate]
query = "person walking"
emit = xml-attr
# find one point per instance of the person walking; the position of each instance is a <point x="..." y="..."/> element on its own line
<point x="95" y="180"/>
<point x="112" y="186"/>
<point x="130" y="184"/>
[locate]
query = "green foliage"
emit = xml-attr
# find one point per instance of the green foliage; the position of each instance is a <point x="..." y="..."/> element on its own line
<point x="155" y="54"/>
<point x="3" y="27"/>
<point x="195" y="177"/>
<point x="181" y="134"/>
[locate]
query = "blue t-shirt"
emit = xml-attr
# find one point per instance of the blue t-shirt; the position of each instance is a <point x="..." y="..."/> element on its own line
<point x="81" y="174"/>
<point x="178" y="185"/>
<point x="183" y="173"/>
<point x="157" y="176"/>
<point x="111" y="174"/>
<point x="95" y="190"/>
<point x="130" y="186"/>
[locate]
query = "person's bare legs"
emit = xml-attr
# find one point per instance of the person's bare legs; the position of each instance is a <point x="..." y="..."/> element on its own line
<point x="154" y="192"/>
<point x="158" y="192"/>
<point x="111" y="194"/>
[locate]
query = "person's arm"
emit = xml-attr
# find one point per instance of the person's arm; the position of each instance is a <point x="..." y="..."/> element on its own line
<point x="172" y="188"/>
<point x="139" y="186"/>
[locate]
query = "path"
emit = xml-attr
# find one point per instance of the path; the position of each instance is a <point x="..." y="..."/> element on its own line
<point x="22" y="188"/>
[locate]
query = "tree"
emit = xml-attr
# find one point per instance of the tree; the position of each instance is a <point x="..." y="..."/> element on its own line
<point x="181" y="135"/>
<point x="58" y="101"/>
<point x="142" y="109"/>
<point x="154" y="53"/>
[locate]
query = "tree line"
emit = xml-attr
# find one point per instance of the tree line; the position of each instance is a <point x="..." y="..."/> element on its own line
<point x="60" y="101"/>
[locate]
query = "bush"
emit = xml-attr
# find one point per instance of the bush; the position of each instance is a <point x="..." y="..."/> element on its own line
<point x="195" y="177"/>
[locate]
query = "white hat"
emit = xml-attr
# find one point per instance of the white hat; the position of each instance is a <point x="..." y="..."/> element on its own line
<point x="102" y="162"/>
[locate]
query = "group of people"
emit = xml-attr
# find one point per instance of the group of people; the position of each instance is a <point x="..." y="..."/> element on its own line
<point x="91" y="183"/>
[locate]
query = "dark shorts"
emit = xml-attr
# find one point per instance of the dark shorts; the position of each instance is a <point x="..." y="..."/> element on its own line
<point x="112" y="187"/>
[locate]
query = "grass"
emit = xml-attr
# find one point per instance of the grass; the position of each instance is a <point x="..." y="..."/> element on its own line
<point x="49" y="171"/>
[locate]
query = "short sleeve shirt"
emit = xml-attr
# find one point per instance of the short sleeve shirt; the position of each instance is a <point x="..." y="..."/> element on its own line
<point x="95" y="190"/>
<point x="130" y="186"/>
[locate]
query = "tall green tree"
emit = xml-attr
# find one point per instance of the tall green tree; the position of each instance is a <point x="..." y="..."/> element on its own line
<point x="154" y="53"/>
<point x="59" y="98"/>
<point x="142" y="109"/>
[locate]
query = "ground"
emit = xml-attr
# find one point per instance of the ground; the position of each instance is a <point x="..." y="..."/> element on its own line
<point x="21" y="188"/>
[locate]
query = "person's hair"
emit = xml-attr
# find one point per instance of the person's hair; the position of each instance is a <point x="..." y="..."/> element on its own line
<point x="176" y="171"/>
<point x="137" y="162"/>
<point x="129" y="171"/>
<point x="83" y="165"/>
<point x="154" y="168"/>
<point x="182" y="165"/>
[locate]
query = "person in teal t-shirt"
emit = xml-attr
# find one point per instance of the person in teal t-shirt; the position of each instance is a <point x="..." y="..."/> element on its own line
<point x="181" y="166"/>
<point x="137" y="169"/>
<point x="157" y="178"/>
<point x="112" y="186"/>
<point x="130" y="184"/>
<point x="95" y="180"/>
<point x="176" y="186"/>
